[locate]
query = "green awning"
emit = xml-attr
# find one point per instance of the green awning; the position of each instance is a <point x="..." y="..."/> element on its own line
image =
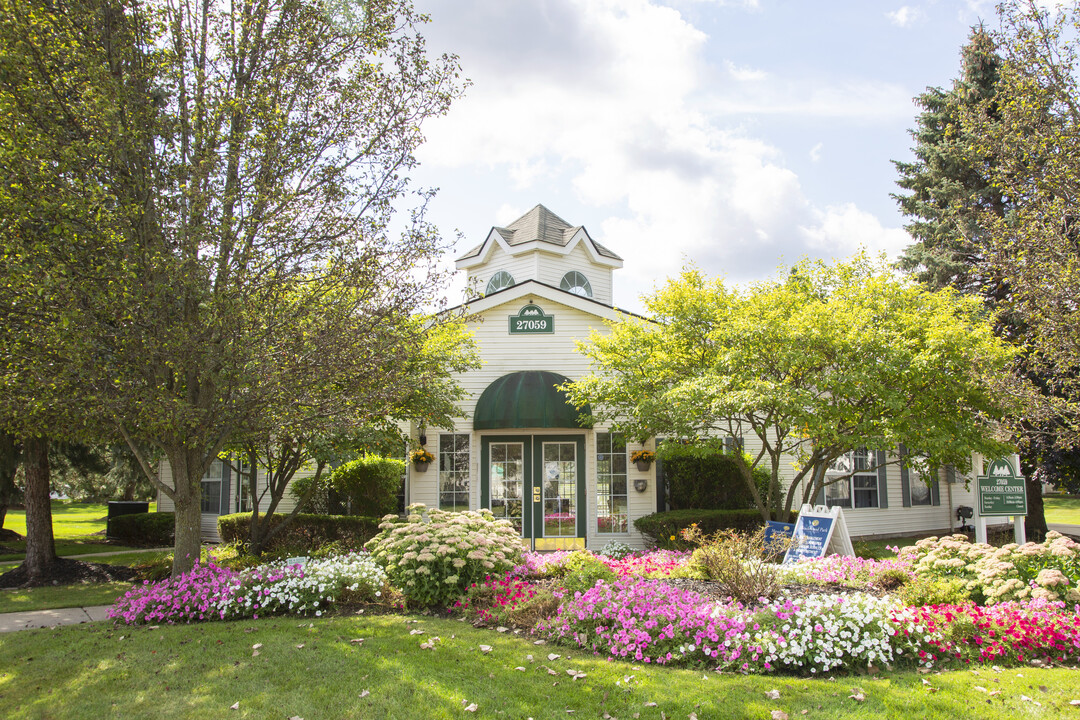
<point x="526" y="399"/>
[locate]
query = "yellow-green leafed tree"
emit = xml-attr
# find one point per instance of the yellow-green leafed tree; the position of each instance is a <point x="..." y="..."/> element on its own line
<point x="824" y="360"/>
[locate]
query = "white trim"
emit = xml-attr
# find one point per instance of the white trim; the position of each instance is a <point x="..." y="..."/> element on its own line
<point x="495" y="238"/>
<point x="535" y="288"/>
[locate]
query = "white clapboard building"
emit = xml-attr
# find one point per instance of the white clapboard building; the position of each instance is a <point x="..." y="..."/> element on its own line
<point x="523" y="452"/>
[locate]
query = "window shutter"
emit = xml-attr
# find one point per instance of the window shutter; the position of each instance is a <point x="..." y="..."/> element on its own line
<point x="882" y="480"/>
<point x="905" y="477"/>
<point x="935" y="493"/>
<point x="950" y="474"/>
<point x="819" y="475"/>
<point x="226" y="487"/>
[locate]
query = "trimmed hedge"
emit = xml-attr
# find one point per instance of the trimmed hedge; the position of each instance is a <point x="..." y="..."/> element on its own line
<point x="660" y="527"/>
<point x="150" y="529"/>
<point x="368" y="486"/>
<point x="702" y="475"/>
<point x="306" y="533"/>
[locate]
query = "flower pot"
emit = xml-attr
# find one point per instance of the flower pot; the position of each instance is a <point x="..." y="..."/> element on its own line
<point x="643" y="465"/>
<point x="420" y="466"/>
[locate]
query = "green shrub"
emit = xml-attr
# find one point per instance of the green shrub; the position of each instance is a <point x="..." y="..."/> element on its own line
<point x="369" y="485"/>
<point x="583" y="570"/>
<point x="433" y="555"/>
<point x="664" y="528"/>
<point x="930" y="590"/>
<point x="149" y="529"/>
<point x="305" y="534"/>
<point x="736" y="560"/>
<point x="702" y="475"/>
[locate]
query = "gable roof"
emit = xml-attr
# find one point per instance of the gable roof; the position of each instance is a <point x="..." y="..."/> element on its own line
<point x="540" y="225"/>
<point x="527" y="288"/>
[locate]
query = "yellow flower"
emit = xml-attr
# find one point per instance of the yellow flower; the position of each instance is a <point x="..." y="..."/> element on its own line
<point x="672" y="537"/>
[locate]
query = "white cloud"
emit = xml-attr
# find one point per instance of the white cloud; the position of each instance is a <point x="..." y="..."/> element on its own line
<point x="744" y="74"/>
<point x="617" y="101"/>
<point x="507" y="214"/>
<point x="905" y="17"/>
<point x="842" y="230"/>
<point x="815" y="152"/>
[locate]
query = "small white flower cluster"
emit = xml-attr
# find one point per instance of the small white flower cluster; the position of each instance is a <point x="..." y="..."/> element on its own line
<point x="307" y="588"/>
<point x="433" y="555"/>
<point x="824" y="632"/>
<point x="616" y="550"/>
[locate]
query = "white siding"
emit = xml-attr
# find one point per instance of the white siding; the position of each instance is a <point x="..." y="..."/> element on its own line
<point x="209" y="520"/>
<point x="521" y="267"/>
<point x="554" y="267"/>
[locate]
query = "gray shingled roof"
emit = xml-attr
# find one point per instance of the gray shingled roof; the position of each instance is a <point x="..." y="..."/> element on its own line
<point x="544" y="225"/>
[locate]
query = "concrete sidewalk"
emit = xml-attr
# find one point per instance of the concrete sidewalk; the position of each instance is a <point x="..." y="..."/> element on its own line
<point x="9" y="622"/>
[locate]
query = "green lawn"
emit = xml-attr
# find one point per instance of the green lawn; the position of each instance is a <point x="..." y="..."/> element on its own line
<point x="288" y="667"/>
<point x="78" y="528"/>
<point x="1062" y="510"/>
<point x="61" y="596"/>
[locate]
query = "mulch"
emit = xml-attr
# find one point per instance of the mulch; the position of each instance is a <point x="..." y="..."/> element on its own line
<point x="64" y="571"/>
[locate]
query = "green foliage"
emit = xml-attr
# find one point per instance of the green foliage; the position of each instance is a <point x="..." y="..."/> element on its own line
<point x="931" y="590"/>
<point x="825" y="359"/>
<point x="664" y="529"/>
<point x="235" y="173"/>
<point x="153" y="529"/>
<point x="948" y="187"/>
<point x="368" y="486"/>
<point x="737" y="560"/>
<point x="305" y="534"/>
<point x="433" y="556"/>
<point x="702" y="476"/>
<point x="371" y="484"/>
<point x="582" y="570"/>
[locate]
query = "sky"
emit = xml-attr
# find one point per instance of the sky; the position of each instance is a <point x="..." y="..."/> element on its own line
<point x="738" y="135"/>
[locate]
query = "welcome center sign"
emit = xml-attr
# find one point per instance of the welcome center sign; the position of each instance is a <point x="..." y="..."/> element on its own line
<point x="1002" y="491"/>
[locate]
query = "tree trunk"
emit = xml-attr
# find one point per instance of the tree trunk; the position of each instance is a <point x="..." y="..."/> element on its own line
<point x="187" y="509"/>
<point x="1035" y="523"/>
<point x="40" y="547"/>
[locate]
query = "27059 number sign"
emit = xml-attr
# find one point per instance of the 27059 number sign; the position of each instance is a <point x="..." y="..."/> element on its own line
<point x="531" y="319"/>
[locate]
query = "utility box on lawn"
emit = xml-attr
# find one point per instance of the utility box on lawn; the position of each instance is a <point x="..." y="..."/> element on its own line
<point x="123" y="507"/>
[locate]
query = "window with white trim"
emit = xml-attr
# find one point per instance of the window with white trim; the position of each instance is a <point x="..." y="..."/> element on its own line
<point x="612" y="514"/>
<point x="576" y="283"/>
<point x="211" y="488"/>
<point x="918" y="491"/>
<point x="860" y="488"/>
<point x="454" y="472"/>
<point x="499" y="281"/>
<point x="243" y="486"/>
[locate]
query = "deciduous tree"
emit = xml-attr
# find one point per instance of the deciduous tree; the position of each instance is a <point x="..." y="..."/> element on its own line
<point x="821" y="362"/>
<point x="256" y="154"/>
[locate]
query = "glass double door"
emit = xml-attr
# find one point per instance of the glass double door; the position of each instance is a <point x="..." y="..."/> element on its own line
<point x="536" y="482"/>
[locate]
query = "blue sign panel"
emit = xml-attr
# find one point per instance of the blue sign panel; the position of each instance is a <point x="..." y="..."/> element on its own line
<point x="811" y="535"/>
<point x="777" y="534"/>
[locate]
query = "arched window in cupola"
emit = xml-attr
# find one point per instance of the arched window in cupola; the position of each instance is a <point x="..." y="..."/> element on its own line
<point x="499" y="281"/>
<point x="576" y="283"/>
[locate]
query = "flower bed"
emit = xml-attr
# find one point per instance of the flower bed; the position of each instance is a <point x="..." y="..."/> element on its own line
<point x="1034" y="631"/>
<point x="210" y="592"/>
<point x="642" y="615"/>
<point x="1049" y="570"/>
<point x="434" y="555"/>
<point x="851" y="572"/>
